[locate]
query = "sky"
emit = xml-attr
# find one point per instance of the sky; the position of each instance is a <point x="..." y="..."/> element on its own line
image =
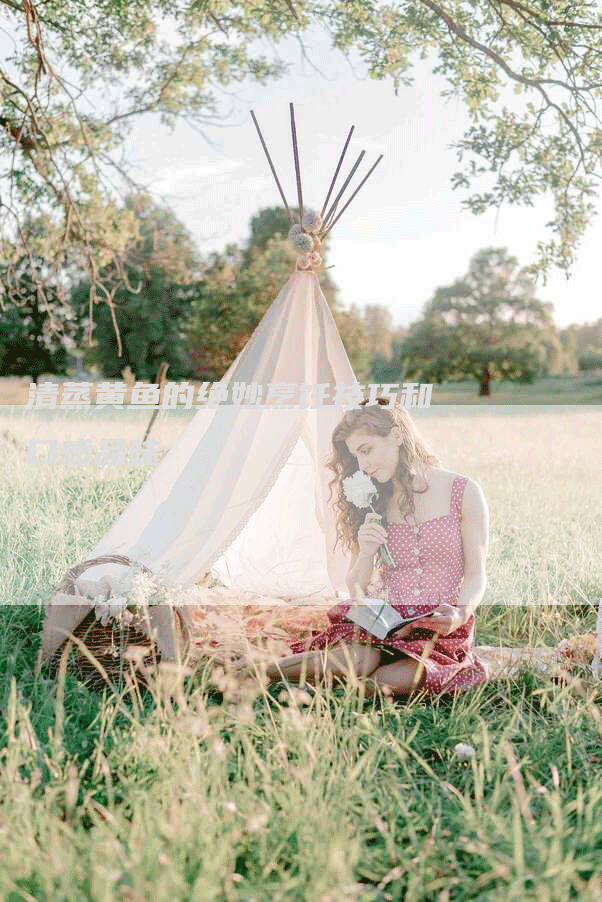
<point x="405" y="233"/>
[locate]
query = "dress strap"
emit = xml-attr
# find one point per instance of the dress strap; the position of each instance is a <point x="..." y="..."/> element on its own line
<point x="457" y="494"/>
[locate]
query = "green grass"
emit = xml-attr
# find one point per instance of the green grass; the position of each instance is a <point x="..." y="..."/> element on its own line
<point x="237" y="792"/>
<point x="582" y="389"/>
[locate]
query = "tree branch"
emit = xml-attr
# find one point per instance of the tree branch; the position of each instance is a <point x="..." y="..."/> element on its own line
<point x="559" y="23"/>
<point x="537" y="84"/>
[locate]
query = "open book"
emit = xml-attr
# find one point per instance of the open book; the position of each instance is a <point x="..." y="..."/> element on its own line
<point x="378" y="617"/>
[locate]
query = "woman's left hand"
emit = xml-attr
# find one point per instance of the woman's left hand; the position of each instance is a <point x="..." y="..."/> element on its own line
<point x="445" y="619"/>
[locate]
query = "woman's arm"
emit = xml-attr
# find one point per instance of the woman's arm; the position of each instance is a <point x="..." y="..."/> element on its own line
<point x="475" y="540"/>
<point x="359" y="573"/>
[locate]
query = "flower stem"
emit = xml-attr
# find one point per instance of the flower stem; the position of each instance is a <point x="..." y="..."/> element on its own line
<point x="384" y="553"/>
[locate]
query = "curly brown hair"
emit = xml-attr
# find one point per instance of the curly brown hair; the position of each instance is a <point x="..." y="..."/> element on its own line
<point x="414" y="459"/>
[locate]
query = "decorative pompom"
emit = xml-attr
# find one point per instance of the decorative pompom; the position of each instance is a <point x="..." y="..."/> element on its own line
<point x="303" y="242"/>
<point x="294" y="231"/>
<point x="312" y="221"/>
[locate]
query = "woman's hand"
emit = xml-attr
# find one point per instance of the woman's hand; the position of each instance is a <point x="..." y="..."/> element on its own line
<point x="406" y="630"/>
<point x="444" y="620"/>
<point x="371" y="535"/>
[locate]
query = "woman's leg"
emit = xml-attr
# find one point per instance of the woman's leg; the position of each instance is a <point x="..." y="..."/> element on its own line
<point x="402" y="677"/>
<point x="364" y="660"/>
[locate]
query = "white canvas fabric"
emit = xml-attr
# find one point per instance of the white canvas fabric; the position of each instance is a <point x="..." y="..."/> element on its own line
<point x="244" y="491"/>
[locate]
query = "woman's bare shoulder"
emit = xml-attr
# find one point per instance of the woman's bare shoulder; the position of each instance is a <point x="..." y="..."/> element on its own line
<point x="441" y="476"/>
<point x="444" y="479"/>
<point x="447" y="475"/>
<point x="473" y="497"/>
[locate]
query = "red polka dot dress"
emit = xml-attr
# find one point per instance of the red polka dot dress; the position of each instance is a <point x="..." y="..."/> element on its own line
<point x="429" y="569"/>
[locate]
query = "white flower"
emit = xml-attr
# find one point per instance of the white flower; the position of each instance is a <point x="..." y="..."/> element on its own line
<point x="463" y="751"/>
<point x="116" y="605"/>
<point x="138" y="592"/>
<point x="359" y="489"/>
<point x="143" y="589"/>
<point x="294" y="231"/>
<point x="312" y="221"/>
<point x="113" y="608"/>
<point x="314" y="259"/>
<point x="102" y="613"/>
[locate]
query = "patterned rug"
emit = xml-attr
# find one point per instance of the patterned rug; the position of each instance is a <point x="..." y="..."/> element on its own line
<point x="238" y="628"/>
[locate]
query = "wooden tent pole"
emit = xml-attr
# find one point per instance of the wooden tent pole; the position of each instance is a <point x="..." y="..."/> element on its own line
<point x="336" y="172"/>
<point x="297" y="167"/>
<point x="368" y="174"/>
<point x="345" y="183"/>
<point x="267" y="153"/>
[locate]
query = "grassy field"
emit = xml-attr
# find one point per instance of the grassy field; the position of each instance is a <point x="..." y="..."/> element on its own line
<point x="218" y="790"/>
<point x="582" y="389"/>
<point x="578" y="390"/>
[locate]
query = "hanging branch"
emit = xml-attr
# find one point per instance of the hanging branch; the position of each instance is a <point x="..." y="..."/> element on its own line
<point x="297" y="168"/>
<point x="160" y="381"/>
<point x="290" y="5"/>
<point x="338" y="197"/>
<point x="267" y="153"/>
<point x="336" y="172"/>
<point x="368" y="174"/>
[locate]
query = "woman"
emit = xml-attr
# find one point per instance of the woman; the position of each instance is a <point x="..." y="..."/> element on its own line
<point x="438" y="537"/>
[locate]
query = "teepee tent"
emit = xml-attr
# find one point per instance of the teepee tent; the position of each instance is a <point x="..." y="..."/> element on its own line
<point x="244" y="492"/>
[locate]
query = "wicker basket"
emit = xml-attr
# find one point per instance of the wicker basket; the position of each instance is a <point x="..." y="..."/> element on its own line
<point x="109" y="644"/>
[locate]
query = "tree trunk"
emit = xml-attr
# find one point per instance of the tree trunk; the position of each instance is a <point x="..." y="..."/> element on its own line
<point x="484" y="388"/>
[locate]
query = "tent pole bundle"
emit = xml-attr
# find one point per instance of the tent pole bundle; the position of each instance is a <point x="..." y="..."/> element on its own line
<point x="331" y="217"/>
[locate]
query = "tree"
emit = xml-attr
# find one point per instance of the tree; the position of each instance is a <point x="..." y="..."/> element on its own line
<point x="563" y="359"/>
<point x="588" y="336"/>
<point x="586" y="343"/>
<point x="269" y="222"/>
<point x="229" y="302"/>
<point x="542" y="140"/>
<point x="391" y="368"/>
<point x="238" y="287"/>
<point x="591" y="360"/>
<point x="35" y="336"/>
<point x="486" y="325"/>
<point x="378" y="326"/>
<point x="350" y="324"/>
<point x="63" y="152"/>
<point x="62" y="148"/>
<point x="140" y="328"/>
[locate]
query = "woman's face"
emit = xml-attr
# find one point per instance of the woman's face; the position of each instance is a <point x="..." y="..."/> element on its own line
<point x="377" y="455"/>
